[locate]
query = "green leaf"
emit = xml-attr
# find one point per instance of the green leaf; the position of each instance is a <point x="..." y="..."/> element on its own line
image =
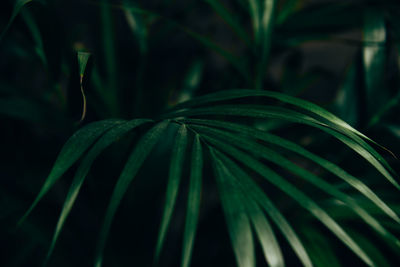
<point x="17" y="8"/>
<point x="262" y="227"/>
<point x="191" y="82"/>
<point x="106" y="140"/>
<point x="270" y="155"/>
<point x="242" y="93"/>
<point x="254" y="191"/>
<point x="293" y="147"/>
<point x="347" y="102"/>
<point x="373" y="249"/>
<point x="385" y="109"/>
<point x="132" y="166"/>
<point x="354" y="139"/>
<point x="175" y="174"/>
<point x="302" y="199"/>
<point x="263" y="112"/>
<point x="394" y="129"/>
<point x="321" y="250"/>
<point x="267" y="25"/>
<point x="374" y="57"/>
<point x="264" y="232"/>
<point x="83" y="58"/>
<point x="73" y="149"/>
<point x="237" y="221"/>
<point x="230" y="19"/>
<point x="193" y="204"/>
<point x="255" y="18"/>
<point x="138" y="27"/>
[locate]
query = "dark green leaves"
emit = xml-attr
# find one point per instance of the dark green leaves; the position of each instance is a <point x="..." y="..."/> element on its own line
<point x="255" y="192"/>
<point x="270" y="155"/>
<point x="175" y="173"/>
<point x="374" y="56"/>
<point x="320" y="119"/>
<point x="250" y="132"/>
<point x="297" y="195"/>
<point x="193" y="205"/>
<point x="262" y="13"/>
<point x="19" y="4"/>
<point x="106" y="140"/>
<point x="70" y="153"/>
<point x="238" y="222"/>
<point x="254" y="213"/>
<point x="238" y="154"/>
<point x="265" y="39"/>
<point x="132" y="166"/>
<point x="280" y="187"/>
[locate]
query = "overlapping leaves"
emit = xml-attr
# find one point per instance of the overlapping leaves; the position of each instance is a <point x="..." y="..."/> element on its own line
<point x="235" y="149"/>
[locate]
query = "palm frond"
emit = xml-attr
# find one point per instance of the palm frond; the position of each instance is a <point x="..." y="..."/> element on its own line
<point x="239" y="153"/>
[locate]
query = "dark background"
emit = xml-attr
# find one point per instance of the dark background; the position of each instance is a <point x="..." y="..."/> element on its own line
<point x="316" y="54"/>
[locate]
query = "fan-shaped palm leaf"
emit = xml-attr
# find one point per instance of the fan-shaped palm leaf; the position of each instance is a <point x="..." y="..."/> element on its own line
<point x="239" y="153"/>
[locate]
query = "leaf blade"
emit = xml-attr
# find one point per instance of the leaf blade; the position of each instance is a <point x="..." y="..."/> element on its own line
<point x="237" y="221"/>
<point x="264" y="232"/>
<point x="280" y="221"/>
<point x="291" y="146"/>
<point x="175" y="173"/>
<point x="134" y="162"/>
<point x="106" y="140"/>
<point x="297" y="195"/>
<point x="267" y="25"/>
<point x="270" y="155"/>
<point x="193" y="205"/>
<point x="351" y="140"/>
<point x="374" y="57"/>
<point x="72" y="150"/>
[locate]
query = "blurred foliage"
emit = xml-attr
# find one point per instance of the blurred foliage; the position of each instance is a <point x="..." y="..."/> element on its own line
<point x="147" y="57"/>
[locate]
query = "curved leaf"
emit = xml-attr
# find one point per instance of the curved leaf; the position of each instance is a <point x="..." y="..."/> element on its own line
<point x="106" y="140"/>
<point x="329" y="166"/>
<point x="351" y="140"/>
<point x="193" y="205"/>
<point x="308" y="106"/>
<point x="374" y="58"/>
<point x="132" y="166"/>
<point x="265" y="234"/>
<point x="73" y="149"/>
<point x="268" y="154"/>
<point x="267" y="25"/>
<point x="237" y="221"/>
<point x="254" y="191"/>
<point x="296" y="194"/>
<point x="175" y="173"/>
<point x="321" y="250"/>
